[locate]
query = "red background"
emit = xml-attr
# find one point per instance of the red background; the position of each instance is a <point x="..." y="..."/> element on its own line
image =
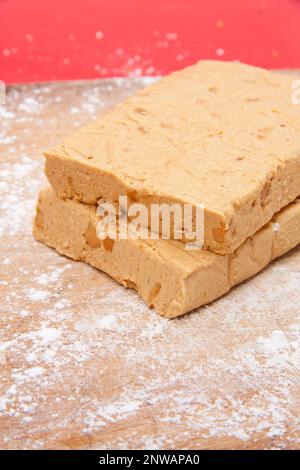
<point x="69" y="39"/>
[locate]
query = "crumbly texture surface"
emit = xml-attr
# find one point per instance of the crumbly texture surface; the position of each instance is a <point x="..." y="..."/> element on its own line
<point x="218" y="133"/>
<point x="166" y="276"/>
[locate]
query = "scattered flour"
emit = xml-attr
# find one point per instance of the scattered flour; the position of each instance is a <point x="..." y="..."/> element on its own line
<point x="30" y="105"/>
<point x="37" y="295"/>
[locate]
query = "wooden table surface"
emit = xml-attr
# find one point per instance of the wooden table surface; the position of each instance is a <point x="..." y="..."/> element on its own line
<point x="85" y="364"/>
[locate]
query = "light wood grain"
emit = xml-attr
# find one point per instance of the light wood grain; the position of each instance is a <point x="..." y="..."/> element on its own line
<point x="85" y="364"/>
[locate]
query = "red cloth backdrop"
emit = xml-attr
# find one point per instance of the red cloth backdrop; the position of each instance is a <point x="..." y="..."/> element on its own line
<point x="71" y="39"/>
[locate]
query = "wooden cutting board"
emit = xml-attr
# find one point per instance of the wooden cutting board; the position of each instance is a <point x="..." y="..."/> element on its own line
<point x="85" y="364"/>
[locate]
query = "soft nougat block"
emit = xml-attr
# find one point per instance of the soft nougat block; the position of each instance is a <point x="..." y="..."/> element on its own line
<point x="221" y="134"/>
<point x="165" y="275"/>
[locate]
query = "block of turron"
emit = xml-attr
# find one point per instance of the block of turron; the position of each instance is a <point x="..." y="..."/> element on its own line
<point x="166" y="276"/>
<point x="221" y="134"/>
